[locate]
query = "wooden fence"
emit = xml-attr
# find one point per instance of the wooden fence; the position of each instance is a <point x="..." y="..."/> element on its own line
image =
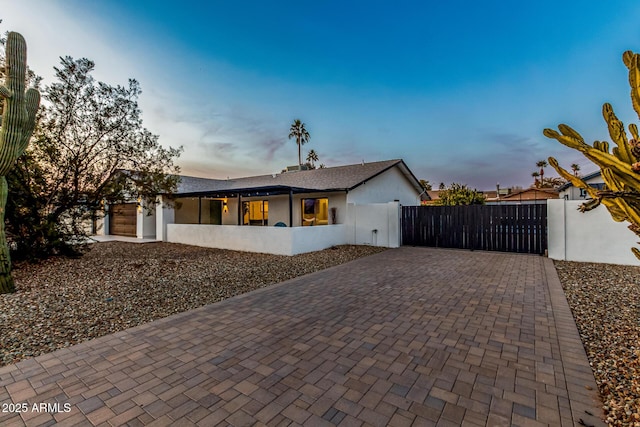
<point x="507" y="228"/>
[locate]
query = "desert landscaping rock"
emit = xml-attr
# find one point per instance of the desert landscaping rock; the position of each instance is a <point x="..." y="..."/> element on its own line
<point x="117" y="285"/>
<point x="605" y="301"/>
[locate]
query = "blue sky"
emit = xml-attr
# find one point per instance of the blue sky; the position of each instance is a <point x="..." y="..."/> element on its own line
<point x="460" y="90"/>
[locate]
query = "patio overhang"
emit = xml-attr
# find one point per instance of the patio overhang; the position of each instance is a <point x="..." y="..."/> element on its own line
<point x="273" y="190"/>
<point x="262" y="191"/>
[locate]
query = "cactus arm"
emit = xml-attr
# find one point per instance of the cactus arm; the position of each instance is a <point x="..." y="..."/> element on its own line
<point x="612" y="180"/>
<point x="605" y="160"/>
<point x="569" y="131"/>
<point x="632" y="214"/>
<point x="631" y="61"/>
<point x="617" y="133"/>
<point x="20" y="108"/>
<point x="572" y="178"/>
<point x="5" y="92"/>
<point x="32" y="101"/>
<point x="601" y="146"/>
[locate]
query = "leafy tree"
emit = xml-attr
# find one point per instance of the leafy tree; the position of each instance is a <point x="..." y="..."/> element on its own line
<point x="551" y="182"/>
<point x="299" y="132"/>
<point x="459" y="194"/>
<point x="90" y="147"/>
<point x="425" y="184"/>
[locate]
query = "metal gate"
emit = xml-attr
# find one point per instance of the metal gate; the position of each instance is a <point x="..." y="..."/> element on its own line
<point x="507" y="228"/>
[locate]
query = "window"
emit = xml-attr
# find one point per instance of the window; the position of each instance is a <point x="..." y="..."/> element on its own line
<point x="255" y="212"/>
<point x="315" y="212"/>
<point x="198" y="210"/>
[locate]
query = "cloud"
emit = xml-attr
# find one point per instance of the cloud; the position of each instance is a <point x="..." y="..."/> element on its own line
<point x="269" y="144"/>
<point x="490" y="158"/>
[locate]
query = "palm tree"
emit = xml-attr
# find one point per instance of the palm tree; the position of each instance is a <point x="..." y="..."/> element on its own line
<point x="312" y="157"/>
<point x="575" y="168"/>
<point x="301" y="135"/>
<point x="535" y="176"/>
<point x="542" y="164"/>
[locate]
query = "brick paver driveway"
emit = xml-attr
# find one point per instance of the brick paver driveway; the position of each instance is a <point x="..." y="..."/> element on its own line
<point x="412" y="336"/>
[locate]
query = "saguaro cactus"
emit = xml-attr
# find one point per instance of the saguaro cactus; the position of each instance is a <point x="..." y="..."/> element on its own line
<point x="18" y="122"/>
<point x="620" y="167"/>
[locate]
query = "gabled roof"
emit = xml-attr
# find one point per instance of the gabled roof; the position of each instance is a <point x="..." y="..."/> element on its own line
<point x="339" y="178"/>
<point x="544" y="193"/>
<point x="584" y="178"/>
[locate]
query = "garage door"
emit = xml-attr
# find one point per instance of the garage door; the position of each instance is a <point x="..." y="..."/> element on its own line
<point x="122" y="219"/>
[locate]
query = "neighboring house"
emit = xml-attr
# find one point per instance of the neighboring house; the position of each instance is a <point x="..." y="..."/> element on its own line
<point x="434" y="195"/>
<point x="507" y="196"/>
<point x="531" y="195"/>
<point x="569" y="192"/>
<point x="294" y="200"/>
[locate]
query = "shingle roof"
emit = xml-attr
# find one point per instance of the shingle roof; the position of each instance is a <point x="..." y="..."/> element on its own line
<point x="551" y="192"/>
<point x="337" y="178"/>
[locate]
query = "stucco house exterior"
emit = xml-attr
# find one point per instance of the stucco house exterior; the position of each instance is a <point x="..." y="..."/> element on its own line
<point x="287" y="213"/>
<point x="569" y="192"/>
<point x="523" y="196"/>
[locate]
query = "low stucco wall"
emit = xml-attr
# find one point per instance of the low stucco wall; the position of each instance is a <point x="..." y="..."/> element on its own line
<point x="274" y="240"/>
<point x="588" y="237"/>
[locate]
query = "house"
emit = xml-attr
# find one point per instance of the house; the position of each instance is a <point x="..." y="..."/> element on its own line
<point x="514" y="195"/>
<point x="570" y="192"/>
<point x="287" y="213"/>
<point x="531" y="195"/>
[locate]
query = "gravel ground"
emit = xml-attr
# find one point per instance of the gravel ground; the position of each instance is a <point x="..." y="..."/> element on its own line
<point x="118" y="285"/>
<point x="605" y="301"/>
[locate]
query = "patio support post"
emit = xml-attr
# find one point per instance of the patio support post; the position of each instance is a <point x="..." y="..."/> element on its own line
<point x="290" y="208"/>
<point x="239" y="209"/>
<point x="199" y="209"/>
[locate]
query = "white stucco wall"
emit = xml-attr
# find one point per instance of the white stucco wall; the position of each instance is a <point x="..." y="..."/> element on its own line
<point x="374" y="224"/>
<point x="165" y="214"/>
<point x="388" y="186"/>
<point x="275" y="240"/>
<point x="588" y="237"/>
<point x="573" y="193"/>
<point x="145" y="223"/>
<point x="102" y="225"/>
<point x="231" y="216"/>
<point x="309" y="239"/>
<point x="358" y="228"/>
